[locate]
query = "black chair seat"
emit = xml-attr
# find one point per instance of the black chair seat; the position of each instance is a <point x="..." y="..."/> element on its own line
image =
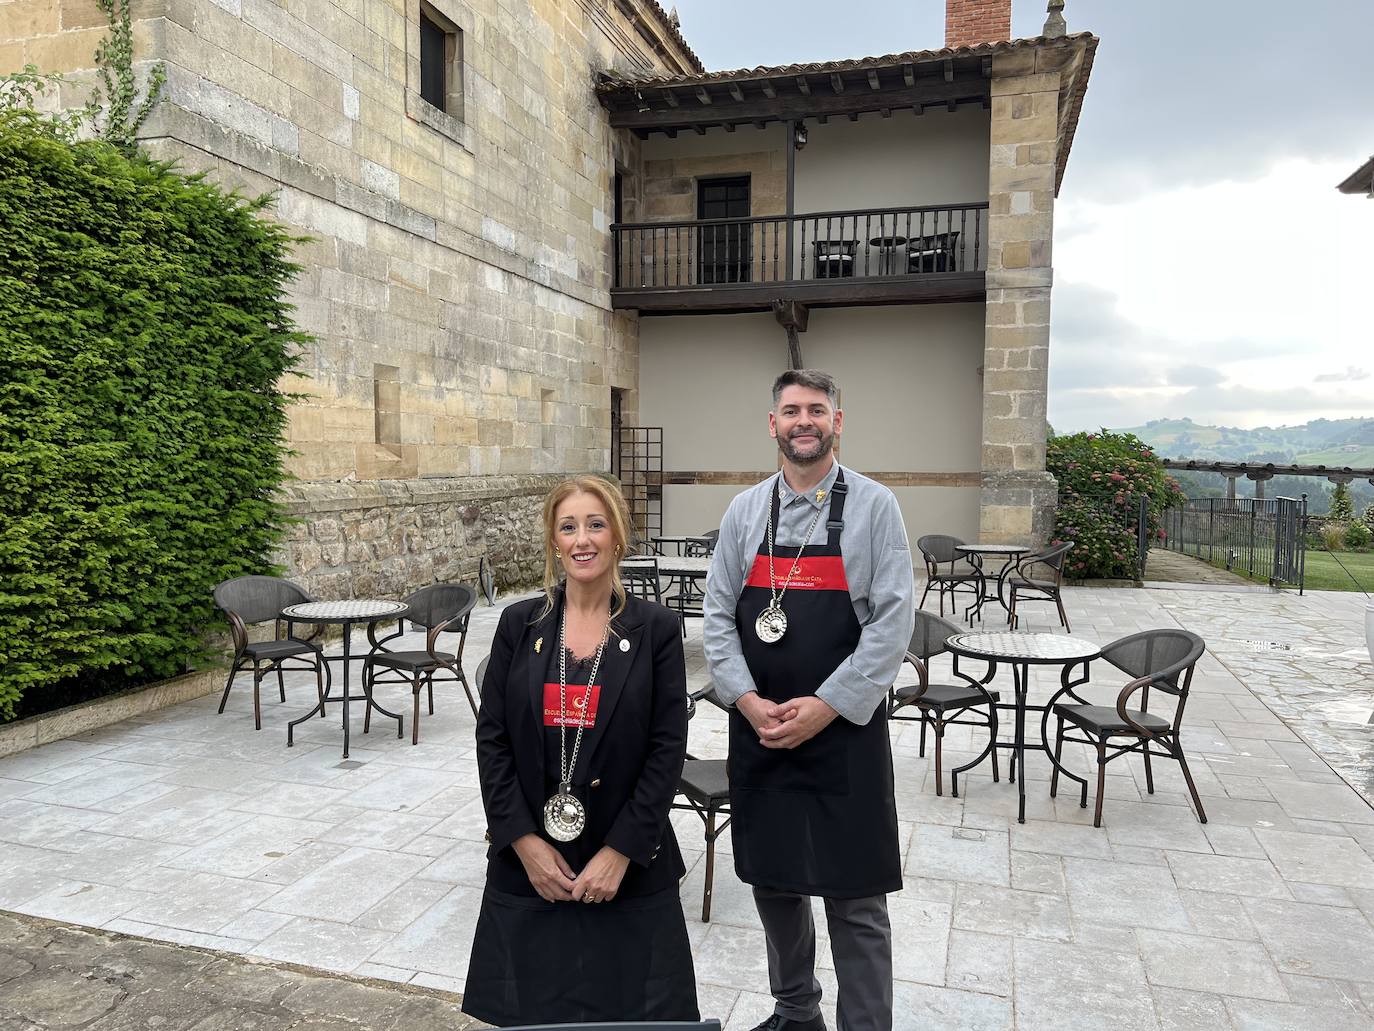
<point x="1022" y="583"/>
<point x="410" y="660"/>
<point x="705" y="781"/>
<point x="944" y="696"/>
<point x="278" y="649"/>
<point x="956" y="577"/>
<point x="1104" y="719"/>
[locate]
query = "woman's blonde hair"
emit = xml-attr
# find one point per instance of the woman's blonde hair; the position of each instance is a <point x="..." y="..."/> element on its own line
<point x="617" y="516"/>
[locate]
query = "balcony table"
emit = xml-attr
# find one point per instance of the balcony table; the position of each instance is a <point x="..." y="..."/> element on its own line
<point x="887" y="253"/>
<point x="1022" y="649"/>
<point x="346" y="613"/>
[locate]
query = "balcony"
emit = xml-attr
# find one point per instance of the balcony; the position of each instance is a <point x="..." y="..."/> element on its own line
<point x="909" y="255"/>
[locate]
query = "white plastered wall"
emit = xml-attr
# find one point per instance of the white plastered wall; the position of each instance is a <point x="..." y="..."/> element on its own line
<point x="911" y="390"/>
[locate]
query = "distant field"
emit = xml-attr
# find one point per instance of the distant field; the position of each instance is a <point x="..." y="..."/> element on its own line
<point x="1362" y="459"/>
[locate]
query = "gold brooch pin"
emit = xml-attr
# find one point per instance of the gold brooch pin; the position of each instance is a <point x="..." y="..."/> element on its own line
<point x="820" y="496"/>
<point x="538" y="643"/>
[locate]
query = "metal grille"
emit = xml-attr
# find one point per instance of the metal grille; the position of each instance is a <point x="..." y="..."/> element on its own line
<point x="637" y="460"/>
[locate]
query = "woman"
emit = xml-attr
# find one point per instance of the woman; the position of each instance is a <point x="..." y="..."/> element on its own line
<point x="580" y="918"/>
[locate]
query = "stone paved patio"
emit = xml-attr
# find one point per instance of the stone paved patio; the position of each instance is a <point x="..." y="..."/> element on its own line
<point x="191" y="828"/>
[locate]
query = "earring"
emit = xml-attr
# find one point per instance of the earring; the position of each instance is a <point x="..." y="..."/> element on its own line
<point x="557" y="553"/>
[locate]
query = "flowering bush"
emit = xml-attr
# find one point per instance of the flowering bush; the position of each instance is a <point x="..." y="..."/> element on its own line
<point x="1101" y="479"/>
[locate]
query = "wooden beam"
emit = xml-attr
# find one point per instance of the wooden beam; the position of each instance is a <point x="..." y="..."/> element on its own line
<point x="792" y="106"/>
<point x="932" y="288"/>
<point x="987" y="68"/>
<point x="768" y="90"/>
<point x="949" y="70"/>
<point x="853" y="116"/>
<point x="918" y="109"/>
<point x="759" y="123"/>
<point x="874" y="83"/>
<point x="950" y="105"/>
<point x="909" y="75"/>
<point x="700" y="130"/>
<point x="670" y="97"/>
<point x="736" y="92"/>
<point x="794" y="351"/>
<point x="886" y="111"/>
<point x="836" y="83"/>
<point x="791" y="314"/>
<point x="803" y="86"/>
<point x="729" y="126"/>
<point x="822" y="119"/>
<point x="703" y="96"/>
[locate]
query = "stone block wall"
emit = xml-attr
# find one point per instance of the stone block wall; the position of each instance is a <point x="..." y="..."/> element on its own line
<point x="457" y="272"/>
<point x="1018" y="495"/>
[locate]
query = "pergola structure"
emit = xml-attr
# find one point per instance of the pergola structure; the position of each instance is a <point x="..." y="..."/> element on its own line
<point x="1258" y="473"/>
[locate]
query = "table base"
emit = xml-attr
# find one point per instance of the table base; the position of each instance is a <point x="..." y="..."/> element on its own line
<point x="345" y="698"/>
<point x="1018" y="746"/>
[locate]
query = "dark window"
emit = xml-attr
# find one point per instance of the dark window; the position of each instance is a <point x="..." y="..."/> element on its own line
<point x="617" y="421"/>
<point x="433" y="63"/>
<point x="723" y="251"/>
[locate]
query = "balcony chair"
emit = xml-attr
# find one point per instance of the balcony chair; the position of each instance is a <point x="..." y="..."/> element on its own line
<point x="437" y="609"/>
<point x="1163" y="659"/>
<point x="835" y="258"/>
<point x="249" y="600"/>
<point x="943" y="705"/>
<point x="1027" y="584"/>
<point x="934" y="253"/>
<point x="939" y="550"/>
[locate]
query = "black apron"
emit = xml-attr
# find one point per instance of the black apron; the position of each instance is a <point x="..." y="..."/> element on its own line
<point x="819" y="819"/>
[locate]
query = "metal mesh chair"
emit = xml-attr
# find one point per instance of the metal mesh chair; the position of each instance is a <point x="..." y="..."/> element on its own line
<point x="703" y="548"/>
<point x="248" y="600"/>
<point x="705" y="789"/>
<point x="438" y="609"/>
<point x="939" y="551"/>
<point x="1162" y="659"/>
<point x="640" y="577"/>
<point x="480" y="675"/>
<point x="1028" y="584"/>
<point x="943" y="705"/>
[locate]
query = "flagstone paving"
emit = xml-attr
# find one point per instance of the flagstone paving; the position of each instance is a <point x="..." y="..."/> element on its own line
<point x="188" y="827"/>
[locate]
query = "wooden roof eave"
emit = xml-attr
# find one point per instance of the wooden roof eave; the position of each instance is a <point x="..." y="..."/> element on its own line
<point x="792" y="98"/>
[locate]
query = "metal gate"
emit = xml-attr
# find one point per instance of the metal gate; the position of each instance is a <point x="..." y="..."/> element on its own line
<point x="1263" y="538"/>
<point x="637" y="461"/>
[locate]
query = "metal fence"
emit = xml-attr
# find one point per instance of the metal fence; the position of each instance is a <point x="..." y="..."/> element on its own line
<point x="1264" y="538"/>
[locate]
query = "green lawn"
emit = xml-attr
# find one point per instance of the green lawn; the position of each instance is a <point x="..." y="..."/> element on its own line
<point x="1338" y="458"/>
<point x="1323" y="574"/>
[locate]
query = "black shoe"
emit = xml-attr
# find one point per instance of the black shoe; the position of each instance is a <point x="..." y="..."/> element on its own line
<point x="777" y="1022"/>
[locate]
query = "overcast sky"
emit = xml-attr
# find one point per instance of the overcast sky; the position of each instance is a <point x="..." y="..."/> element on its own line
<point x="1205" y="264"/>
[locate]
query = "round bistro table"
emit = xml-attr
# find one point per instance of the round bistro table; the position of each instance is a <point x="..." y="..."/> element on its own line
<point x="1022" y="649"/>
<point x="345" y="613"/>
<point x="1010" y="553"/>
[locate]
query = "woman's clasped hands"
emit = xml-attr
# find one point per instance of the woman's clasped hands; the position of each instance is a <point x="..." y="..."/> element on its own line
<point x="555" y="881"/>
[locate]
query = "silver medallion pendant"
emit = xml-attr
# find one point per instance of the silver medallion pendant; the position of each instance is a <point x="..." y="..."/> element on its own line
<point x="771" y="624"/>
<point x="564" y="815"/>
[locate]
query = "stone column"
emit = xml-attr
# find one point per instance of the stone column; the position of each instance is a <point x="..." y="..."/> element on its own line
<point x="1231" y="491"/>
<point x="1018" y="495"/>
<point x="1258" y="479"/>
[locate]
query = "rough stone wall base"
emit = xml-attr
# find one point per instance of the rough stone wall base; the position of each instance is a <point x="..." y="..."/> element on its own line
<point x="386" y="538"/>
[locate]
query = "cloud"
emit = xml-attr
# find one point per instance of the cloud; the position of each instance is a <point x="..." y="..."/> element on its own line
<point x="1350" y="374"/>
<point x="1195" y="376"/>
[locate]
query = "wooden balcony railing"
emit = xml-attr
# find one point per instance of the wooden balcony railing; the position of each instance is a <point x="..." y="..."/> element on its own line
<point x="880" y="242"/>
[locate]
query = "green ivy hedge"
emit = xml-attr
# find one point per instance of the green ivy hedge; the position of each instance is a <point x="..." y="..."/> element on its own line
<point x="143" y="335"/>
<point x="1101" y="477"/>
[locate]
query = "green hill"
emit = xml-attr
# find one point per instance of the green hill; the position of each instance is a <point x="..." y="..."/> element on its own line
<point x="1334" y="442"/>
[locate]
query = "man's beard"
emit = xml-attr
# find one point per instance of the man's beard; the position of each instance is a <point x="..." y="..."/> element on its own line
<point x="825" y="441"/>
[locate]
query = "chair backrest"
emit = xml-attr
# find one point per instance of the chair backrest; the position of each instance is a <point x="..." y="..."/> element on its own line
<point x="437" y="603"/>
<point x="705" y="547"/>
<point x="256" y="599"/>
<point x="930" y="635"/>
<point x="1053" y="557"/>
<point x="480" y="675"/>
<point x="1152" y="651"/>
<point x="640" y="578"/>
<point x="639" y="546"/>
<point x="939" y="548"/>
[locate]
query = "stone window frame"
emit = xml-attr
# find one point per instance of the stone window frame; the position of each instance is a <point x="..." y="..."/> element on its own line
<point x="456" y="18"/>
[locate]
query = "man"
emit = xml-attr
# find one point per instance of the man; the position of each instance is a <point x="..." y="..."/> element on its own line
<point x="809" y="610"/>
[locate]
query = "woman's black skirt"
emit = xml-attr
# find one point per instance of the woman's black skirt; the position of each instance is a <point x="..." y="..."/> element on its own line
<point x="537" y="962"/>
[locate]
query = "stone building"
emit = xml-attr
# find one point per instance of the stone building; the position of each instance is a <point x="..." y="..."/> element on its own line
<point x="479" y="179"/>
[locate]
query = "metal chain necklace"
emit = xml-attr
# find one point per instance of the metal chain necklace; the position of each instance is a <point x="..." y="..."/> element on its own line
<point x="772" y="621"/>
<point x="564" y="814"/>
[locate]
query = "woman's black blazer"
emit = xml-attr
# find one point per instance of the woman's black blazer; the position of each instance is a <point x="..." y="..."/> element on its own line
<point x="630" y="762"/>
